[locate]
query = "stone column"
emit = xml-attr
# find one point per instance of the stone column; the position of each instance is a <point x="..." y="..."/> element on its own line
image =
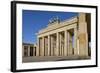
<point x="37" y="47"/>
<point x="65" y="44"/>
<point x="60" y="50"/>
<point x="23" y="50"/>
<point x="42" y="46"/>
<point x="45" y="46"/>
<point x="68" y="44"/>
<point x="33" y="50"/>
<point x="28" y="50"/>
<point x="48" y="45"/>
<point x="57" y="44"/>
<point x="51" y="46"/>
<point x="75" y="42"/>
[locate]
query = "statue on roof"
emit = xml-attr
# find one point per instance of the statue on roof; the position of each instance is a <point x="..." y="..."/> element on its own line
<point x="53" y="20"/>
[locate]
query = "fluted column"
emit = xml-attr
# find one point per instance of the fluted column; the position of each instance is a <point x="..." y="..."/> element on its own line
<point x="23" y="50"/>
<point x="57" y="44"/>
<point x="28" y="50"/>
<point x="75" y="42"/>
<point x="60" y="50"/>
<point x="42" y="46"/>
<point x="65" y="44"/>
<point x="51" y="52"/>
<point x="68" y="49"/>
<point x="48" y="45"/>
<point x="37" y="47"/>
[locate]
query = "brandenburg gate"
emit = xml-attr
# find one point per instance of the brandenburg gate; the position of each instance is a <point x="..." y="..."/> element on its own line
<point x="64" y="38"/>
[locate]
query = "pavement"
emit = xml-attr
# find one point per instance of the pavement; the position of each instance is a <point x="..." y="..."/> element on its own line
<point x="53" y="58"/>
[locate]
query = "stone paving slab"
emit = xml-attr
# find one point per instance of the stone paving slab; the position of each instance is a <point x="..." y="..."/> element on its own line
<point x="53" y="58"/>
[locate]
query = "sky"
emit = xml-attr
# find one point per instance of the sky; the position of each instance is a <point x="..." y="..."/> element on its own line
<point x="33" y="21"/>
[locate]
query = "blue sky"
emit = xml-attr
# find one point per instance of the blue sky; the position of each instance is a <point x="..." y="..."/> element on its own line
<point x="33" y="21"/>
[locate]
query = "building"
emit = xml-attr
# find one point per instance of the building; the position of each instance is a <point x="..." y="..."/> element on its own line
<point x="29" y="50"/>
<point x="65" y="38"/>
